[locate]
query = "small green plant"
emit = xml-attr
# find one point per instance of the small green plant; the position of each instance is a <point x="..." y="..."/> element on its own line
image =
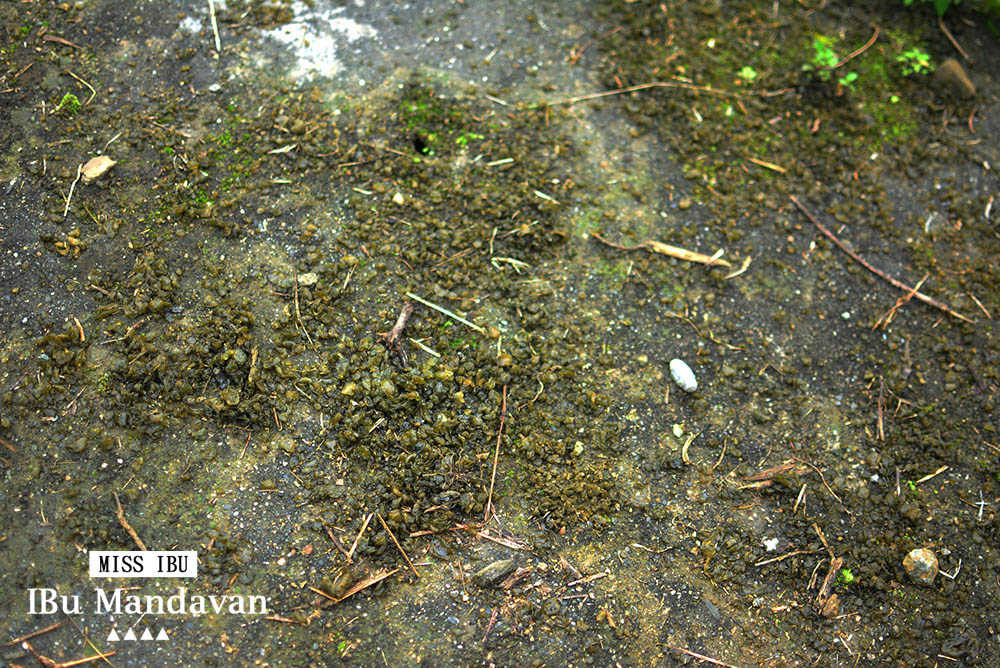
<point x="463" y="139"/>
<point x="824" y="58"/>
<point x="912" y="485"/>
<point x="69" y="104"/>
<point x="847" y="81"/>
<point x="845" y="577"/>
<point x="914" y="61"/>
<point x="941" y="6"/>
<point x="748" y="74"/>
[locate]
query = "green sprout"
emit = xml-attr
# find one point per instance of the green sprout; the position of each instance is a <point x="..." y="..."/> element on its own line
<point x="847" y="81"/>
<point x="70" y="102"/>
<point x="824" y="58"/>
<point x="940" y="6"/>
<point x="912" y="485"/>
<point x="914" y="61"/>
<point x="845" y="577"/>
<point x="748" y="74"/>
<point x="464" y="138"/>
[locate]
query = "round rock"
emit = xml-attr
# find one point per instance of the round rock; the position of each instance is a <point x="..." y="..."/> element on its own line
<point x="921" y="565"/>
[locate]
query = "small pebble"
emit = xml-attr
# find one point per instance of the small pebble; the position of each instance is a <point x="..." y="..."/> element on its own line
<point x="683" y="376"/>
<point x="921" y="565"/>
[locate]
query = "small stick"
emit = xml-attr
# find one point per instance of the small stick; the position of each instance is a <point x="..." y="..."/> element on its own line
<point x="587" y="580"/>
<point x="824" y="589"/>
<point x="769" y="165"/>
<point x="72" y="185"/>
<point x="802" y="495"/>
<point x="887" y="318"/>
<point x="336" y="543"/>
<point x="244" y="450"/>
<point x="215" y="27"/>
<point x="60" y="40"/>
<point x="93" y="93"/>
<point x="79" y="327"/>
<point x="822" y="478"/>
<point x="954" y="43"/>
<point x="39" y="632"/>
<point x="298" y="315"/>
<point x="364" y="584"/>
<point x="576" y="53"/>
<point x="398" y="546"/>
<point x="881" y="403"/>
<point x="783" y="557"/>
<point x="902" y="286"/>
<point x="653" y="84"/>
<point x="506" y="542"/>
<point x="496" y="456"/>
<point x="390" y="340"/>
<point x="489" y="627"/>
<point x="109" y="142"/>
<point x="429" y="351"/>
<point x="284" y="620"/>
<point x="448" y="313"/>
<point x="931" y="475"/>
<point x="354" y="545"/>
<point x="125" y="525"/>
<point x="819" y="532"/>
<point x="980" y="305"/>
<point x="855" y="54"/>
<point x="104" y="655"/>
<point x="702" y="657"/>
<point x="613" y="245"/>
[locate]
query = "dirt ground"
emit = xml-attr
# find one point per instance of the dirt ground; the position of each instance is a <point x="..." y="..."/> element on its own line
<point x="376" y="306"/>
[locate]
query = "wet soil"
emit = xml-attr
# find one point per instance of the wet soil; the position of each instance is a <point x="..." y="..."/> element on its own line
<point x="373" y="313"/>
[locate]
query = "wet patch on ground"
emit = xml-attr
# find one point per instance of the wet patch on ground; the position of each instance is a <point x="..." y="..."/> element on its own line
<point x="385" y="335"/>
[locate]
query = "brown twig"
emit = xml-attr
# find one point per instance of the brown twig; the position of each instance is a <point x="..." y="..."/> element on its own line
<point x="614" y="245"/>
<point x="821" y="477"/>
<point x="496" y="456"/>
<point x="702" y="657"/>
<point x="298" y="315"/>
<point x="575" y="55"/>
<point x="951" y="38"/>
<point x="29" y="636"/>
<point x="783" y="557"/>
<point x="86" y="639"/>
<point x="354" y="545"/>
<point x="398" y="546"/>
<point x="902" y="286"/>
<point x="881" y="408"/>
<point x="364" y="584"/>
<point x="652" y="84"/>
<point x="855" y="54"/>
<point x="891" y="313"/>
<point x="391" y="340"/>
<point x="125" y="525"/>
<point x="60" y="40"/>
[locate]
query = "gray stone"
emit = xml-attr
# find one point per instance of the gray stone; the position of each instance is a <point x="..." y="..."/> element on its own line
<point x="495" y="573"/>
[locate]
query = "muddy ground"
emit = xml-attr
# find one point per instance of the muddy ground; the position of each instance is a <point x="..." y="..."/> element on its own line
<point x="374" y="312"/>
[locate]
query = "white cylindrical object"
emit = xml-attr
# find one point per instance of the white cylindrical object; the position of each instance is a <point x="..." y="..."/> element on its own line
<point x="683" y="375"/>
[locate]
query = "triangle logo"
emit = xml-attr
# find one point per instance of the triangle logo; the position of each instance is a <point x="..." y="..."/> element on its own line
<point x="162" y="635"/>
<point x="146" y="635"/>
<point x="130" y="635"/>
<point x="113" y="636"/>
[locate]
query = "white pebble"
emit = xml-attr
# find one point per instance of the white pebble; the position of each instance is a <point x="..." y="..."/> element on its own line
<point x="683" y="376"/>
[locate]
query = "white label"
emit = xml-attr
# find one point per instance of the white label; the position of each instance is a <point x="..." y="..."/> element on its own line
<point x="143" y="564"/>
